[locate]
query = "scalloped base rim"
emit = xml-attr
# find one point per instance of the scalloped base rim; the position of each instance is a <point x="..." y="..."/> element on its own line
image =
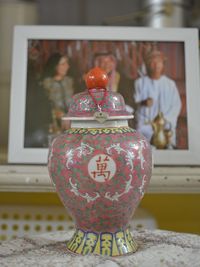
<point x="107" y="244"/>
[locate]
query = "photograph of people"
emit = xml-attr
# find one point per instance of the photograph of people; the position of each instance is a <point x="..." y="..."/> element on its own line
<point x="149" y="75"/>
<point x="158" y="103"/>
<point x="59" y="88"/>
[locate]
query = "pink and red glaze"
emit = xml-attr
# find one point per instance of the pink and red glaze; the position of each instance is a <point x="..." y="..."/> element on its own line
<point x="100" y="173"/>
<point x="115" y="200"/>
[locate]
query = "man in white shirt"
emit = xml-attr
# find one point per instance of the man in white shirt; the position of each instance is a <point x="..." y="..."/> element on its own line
<point x="155" y="93"/>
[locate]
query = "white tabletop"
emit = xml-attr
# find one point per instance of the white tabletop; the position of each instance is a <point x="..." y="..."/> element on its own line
<point x="156" y="249"/>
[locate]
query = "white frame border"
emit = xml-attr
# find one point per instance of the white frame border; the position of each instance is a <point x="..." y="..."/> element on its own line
<point x="18" y="154"/>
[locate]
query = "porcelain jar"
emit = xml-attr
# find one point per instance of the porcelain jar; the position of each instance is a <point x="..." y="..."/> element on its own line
<point x="101" y="168"/>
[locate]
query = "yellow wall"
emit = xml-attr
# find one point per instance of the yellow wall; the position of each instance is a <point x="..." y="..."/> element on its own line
<point x="177" y="212"/>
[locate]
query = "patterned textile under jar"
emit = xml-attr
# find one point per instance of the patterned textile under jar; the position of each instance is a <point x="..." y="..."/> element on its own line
<point x="101" y="168"/>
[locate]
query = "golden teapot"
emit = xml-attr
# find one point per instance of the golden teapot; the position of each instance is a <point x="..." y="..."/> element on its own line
<point x="161" y="138"/>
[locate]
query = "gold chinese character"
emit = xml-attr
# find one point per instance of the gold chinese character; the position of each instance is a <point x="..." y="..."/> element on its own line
<point x="106" y="244"/>
<point x="90" y="243"/>
<point x="76" y="240"/>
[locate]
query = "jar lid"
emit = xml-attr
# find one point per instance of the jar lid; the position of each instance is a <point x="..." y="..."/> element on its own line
<point x="96" y="102"/>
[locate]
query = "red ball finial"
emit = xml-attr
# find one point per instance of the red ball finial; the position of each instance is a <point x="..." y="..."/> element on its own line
<point x="96" y="78"/>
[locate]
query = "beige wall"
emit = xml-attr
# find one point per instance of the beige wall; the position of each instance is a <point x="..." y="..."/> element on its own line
<point x="4" y="112"/>
<point x="11" y="13"/>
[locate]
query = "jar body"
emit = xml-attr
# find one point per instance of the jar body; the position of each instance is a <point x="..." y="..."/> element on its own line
<point x="101" y="175"/>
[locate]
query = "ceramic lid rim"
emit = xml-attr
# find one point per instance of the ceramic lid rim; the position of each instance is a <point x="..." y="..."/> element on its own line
<point x="94" y="119"/>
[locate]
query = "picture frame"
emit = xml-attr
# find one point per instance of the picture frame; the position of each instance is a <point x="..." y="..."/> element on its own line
<point x="128" y="45"/>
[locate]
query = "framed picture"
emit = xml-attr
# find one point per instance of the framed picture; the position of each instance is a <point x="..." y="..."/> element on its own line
<point x="156" y="71"/>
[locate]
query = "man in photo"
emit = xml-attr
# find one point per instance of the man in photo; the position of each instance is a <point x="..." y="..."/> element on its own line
<point x="158" y="103"/>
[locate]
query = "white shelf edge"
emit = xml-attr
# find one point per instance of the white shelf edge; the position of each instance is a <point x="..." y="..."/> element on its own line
<point x="29" y="178"/>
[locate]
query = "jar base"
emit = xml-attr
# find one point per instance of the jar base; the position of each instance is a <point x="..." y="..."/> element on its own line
<point x="108" y="244"/>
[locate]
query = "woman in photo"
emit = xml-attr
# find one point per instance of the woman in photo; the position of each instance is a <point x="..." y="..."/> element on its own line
<point x="59" y="88"/>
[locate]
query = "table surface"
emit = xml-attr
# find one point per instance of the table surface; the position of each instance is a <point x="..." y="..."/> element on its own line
<point x="157" y="248"/>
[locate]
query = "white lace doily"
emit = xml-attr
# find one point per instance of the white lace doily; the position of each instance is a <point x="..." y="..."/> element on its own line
<point x="156" y="249"/>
